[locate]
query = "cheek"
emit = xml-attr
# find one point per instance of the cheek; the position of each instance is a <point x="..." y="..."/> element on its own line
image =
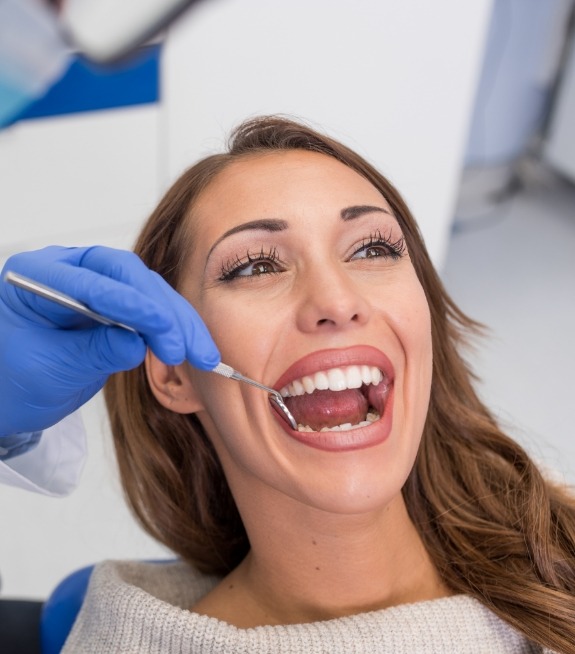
<point x="407" y="312"/>
<point x="240" y="333"/>
<point x="418" y="342"/>
<point x="418" y="328"/>
<point x="243" y="325"/>
<point x="420" y="366"/>
<point x="225" y="414"/>
<point x="410" y="320"/>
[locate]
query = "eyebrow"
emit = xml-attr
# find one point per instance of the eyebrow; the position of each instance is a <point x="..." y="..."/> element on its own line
<point x="349" y="213"/>
<point x="264" y="224"/>
<point x="278" y="225"/>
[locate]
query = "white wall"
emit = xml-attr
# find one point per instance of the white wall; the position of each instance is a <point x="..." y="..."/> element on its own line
<point x="395" y="80"/>
<point x="77" y="179"/>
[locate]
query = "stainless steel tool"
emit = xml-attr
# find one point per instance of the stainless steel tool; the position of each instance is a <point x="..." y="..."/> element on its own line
<point x="65" y="300"/>
<point x="274" y="396"/>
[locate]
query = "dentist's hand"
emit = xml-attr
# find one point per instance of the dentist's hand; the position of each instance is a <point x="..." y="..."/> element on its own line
<point x="52" y="360"/>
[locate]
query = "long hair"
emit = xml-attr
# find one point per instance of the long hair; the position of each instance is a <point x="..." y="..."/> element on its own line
<point x="493" y="526"/>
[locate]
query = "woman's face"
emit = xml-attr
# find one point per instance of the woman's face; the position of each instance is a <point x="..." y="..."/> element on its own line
<point x="300" y="272"/>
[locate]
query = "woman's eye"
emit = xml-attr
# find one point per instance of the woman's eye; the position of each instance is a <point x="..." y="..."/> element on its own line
<point x="256" y="268"/>
<point x="370" y="252"/>
<point x="377" y="246"/>
<point x="253" y="265"/>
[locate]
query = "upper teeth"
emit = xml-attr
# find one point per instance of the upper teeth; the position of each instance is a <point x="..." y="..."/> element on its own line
<point x="334" y="379"/>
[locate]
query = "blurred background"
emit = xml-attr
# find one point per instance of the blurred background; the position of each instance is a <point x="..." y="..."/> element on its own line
<point x="468" y="107"/>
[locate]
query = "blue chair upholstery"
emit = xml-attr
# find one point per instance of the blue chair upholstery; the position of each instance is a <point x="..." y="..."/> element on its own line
<point x="61" y="608"/>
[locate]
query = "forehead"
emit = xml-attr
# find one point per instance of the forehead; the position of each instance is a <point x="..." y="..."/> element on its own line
<point x="282" y="183"/>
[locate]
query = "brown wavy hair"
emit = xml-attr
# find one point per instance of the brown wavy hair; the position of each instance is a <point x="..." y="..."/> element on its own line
<point x="494" y="527"/>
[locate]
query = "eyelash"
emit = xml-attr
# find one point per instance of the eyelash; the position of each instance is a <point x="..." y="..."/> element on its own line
<point x="233" y="268"/>
<point x="393" y="249"/>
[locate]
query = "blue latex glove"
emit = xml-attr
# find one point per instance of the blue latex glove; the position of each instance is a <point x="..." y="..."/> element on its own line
<point x="53" y="360"/>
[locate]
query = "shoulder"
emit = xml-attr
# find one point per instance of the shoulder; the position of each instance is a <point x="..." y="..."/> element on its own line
<point x="133" y="606"/>
<point x="173" y="582"/>
<point x="453" y="624"/>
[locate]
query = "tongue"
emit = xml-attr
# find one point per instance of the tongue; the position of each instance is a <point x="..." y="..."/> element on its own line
<point x="328" y="408"/>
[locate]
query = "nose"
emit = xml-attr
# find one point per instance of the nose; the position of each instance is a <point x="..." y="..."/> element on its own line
<point x="331" y="300"/>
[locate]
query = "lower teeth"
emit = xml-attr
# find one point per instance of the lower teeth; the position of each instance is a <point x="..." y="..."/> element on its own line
<point x="371" y="417"/>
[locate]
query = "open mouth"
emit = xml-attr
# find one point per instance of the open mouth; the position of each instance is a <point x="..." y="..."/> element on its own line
<point x="338" y="399"/>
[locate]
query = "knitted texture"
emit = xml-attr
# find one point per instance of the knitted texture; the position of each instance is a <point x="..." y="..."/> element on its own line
<point x="141" y="608"/>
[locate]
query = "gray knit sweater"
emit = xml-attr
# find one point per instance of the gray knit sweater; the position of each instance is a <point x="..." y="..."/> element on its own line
<point x="141" y="608"/>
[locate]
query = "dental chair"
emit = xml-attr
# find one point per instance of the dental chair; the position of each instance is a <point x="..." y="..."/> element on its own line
<point x="61" y="608"/>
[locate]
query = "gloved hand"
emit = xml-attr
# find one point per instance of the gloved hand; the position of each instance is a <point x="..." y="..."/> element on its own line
<point x="52" y="360"/>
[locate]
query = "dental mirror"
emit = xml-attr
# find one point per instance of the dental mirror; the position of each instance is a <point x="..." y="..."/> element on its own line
<point x="274" y="396"/>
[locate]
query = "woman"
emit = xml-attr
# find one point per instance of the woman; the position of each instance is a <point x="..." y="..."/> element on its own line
<point x="398" y="517"/>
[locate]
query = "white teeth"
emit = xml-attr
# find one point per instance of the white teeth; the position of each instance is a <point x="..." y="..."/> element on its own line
<point x="366" y="374"/>
<point x="298" y="387"/>
<point x="308" y="384"/>
<point x="335" y="379"/>
<point x="371" y="417"/>
<point x="353" y="376"/>
<point x="320" y="381"/>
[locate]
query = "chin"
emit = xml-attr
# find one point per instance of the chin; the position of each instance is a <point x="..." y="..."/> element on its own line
<point x="356" y="498"/>
<point x="358" y="481"/>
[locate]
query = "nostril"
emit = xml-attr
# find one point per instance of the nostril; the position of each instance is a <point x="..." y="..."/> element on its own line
<point x="323" y="321"/>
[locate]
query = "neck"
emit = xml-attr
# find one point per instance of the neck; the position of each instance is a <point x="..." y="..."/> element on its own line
<point x="307" y="565"/>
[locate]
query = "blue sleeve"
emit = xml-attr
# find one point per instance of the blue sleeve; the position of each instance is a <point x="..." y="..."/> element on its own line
<point x="11" y="446"/>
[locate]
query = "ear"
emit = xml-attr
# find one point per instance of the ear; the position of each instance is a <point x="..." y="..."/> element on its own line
<point x="172" y="385"/>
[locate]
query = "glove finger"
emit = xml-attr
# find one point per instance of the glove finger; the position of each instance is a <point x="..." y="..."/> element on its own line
<point x="187" y="337"/>
<point x="102" y="294"/>
<point x="111" y="349"/>
<point x="197" y="344"/>
<point x="117" y="284"/>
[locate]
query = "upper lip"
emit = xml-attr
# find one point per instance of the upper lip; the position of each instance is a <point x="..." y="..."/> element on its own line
<point x="336" y="358"/>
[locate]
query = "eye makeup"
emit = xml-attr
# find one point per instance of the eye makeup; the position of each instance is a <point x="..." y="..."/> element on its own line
<point x="381" y="245"/>
<point x="261" y="248"/>
<point x="262" y="263"/>
<point x="267" y="261"/>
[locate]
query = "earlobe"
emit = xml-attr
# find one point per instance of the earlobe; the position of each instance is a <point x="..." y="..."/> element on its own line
<point x="172" y="386"/>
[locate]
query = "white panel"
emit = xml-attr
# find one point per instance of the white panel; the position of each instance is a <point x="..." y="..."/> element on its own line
<point x="560" y="147"/>
<point x="76" y="178"/>
<point x="395" y="80"/>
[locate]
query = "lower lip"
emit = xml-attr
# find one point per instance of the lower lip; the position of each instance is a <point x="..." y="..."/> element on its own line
<point x="346" y="441"/>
